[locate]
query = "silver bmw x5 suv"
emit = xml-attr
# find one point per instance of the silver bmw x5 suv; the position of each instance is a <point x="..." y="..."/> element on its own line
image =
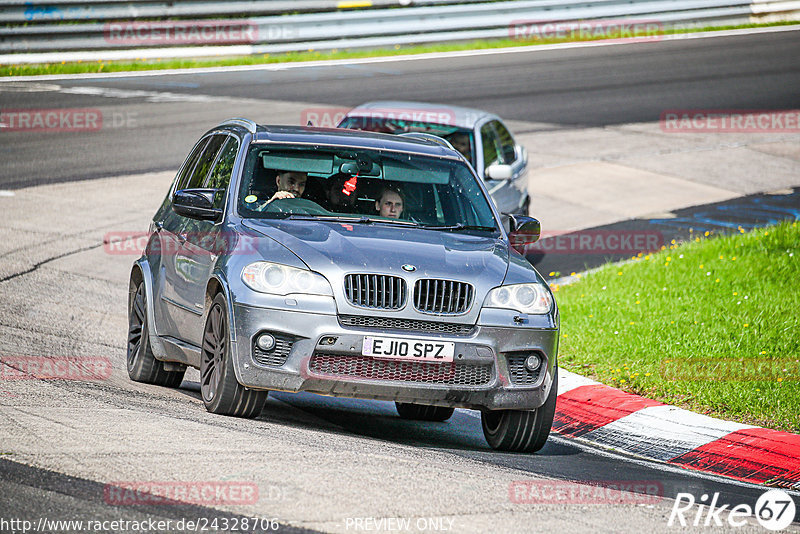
<point x="350" y="264"/>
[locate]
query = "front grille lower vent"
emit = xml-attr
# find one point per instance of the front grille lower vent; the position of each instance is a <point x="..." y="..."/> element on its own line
<point x="377" y="291"/>
<point x="367" y="368"/>
<point x="442" y="297"/>
<point x="396" y="323"/>
<point x="519" y="373"/>
<point x="277" y="356"/>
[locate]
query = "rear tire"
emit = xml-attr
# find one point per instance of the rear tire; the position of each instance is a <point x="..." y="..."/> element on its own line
<point x="521" y="430"/>
<point x="222" y="393"/>
<point x="142" y="365"/>
<point x="419" y="412"/>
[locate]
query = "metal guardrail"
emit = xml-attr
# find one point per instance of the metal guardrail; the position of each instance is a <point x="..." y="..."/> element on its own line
<point x="40" y="42"/>
<point x="21" y="11"/>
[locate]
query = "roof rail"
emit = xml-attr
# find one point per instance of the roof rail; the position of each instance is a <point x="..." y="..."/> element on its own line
<point x="245" y="123"/>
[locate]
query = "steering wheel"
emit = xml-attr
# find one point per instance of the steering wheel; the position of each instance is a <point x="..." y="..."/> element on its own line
<point x="299" y="206"/>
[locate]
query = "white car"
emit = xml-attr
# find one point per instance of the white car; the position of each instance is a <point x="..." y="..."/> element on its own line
<point x="481" y="137"/>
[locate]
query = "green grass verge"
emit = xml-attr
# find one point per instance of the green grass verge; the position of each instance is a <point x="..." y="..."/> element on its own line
<point x="310" y="55"/>
<point x="711" y="325"/>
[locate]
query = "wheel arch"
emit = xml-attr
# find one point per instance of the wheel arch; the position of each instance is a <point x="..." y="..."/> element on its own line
<point x="218" y="283"/>
<point x="140" y="272"/>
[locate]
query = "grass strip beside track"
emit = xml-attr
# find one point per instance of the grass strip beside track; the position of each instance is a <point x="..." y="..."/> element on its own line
<point x="316" y="55"/>
<point x="711" y="325"/>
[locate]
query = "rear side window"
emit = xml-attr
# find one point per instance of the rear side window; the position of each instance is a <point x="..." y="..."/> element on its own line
<point x="191" y="161"/>
<point x="198" y="177"/>
<point x="220" y="175"/>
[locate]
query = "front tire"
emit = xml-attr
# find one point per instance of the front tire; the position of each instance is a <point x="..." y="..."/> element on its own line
<point x="418" y="412"/>
<point x="142" y="365"/>
<point x="521" y="430"/>
<point x="222" y="393"/>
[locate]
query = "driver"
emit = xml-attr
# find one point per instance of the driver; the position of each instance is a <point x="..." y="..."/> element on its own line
<point x="460" y="141"/>
<point x="290" y="184"/>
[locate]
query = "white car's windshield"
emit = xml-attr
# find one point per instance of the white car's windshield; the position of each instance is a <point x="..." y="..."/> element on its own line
<point x="362" y="185"/>
<point x="461" y="139"/>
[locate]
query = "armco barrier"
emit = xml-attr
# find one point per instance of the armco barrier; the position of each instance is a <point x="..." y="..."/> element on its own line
<point x="22" y="11"/>
<point x="195" y="34"/>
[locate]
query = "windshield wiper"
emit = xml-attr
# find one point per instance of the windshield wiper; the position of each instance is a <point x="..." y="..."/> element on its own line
<point x="357" y="219"/>
<point x="334" y="218"/>
<point x="460" y="226"/>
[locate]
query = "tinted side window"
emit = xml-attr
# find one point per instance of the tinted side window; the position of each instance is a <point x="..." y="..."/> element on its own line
<point x="507" y="145"/>
<point x="188" y="167"/>
<point x="198" y="177"/>
<point x="220" y="175"/>
<point x="491" y="145"/>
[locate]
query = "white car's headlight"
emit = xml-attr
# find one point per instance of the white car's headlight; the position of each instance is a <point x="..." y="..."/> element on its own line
<point x="268" y="277"/>
<point x="524" y="298"/>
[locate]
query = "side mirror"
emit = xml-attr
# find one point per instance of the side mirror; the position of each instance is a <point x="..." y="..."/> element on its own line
<point x="523" y="231"/>
<point x="498" y="172"/>
<point x="196" y="204"/>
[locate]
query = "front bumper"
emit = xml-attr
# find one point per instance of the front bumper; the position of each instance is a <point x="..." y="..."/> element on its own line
<point x="321" y="353"/>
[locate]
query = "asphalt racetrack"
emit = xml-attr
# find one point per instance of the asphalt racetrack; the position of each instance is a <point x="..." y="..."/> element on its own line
<point x="325" y="464"/>
<point x="154" y="120"/>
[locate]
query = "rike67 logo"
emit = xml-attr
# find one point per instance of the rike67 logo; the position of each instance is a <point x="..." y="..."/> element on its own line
<point x="774" y="510"/>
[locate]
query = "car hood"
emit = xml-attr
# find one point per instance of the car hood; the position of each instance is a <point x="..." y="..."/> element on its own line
<point x="335" y="249"/>
<point x="385" y="249"/>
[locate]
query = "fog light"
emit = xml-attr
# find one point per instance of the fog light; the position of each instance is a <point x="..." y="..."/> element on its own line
<point x="533" y="362"/>
<point x="265" y="342"/>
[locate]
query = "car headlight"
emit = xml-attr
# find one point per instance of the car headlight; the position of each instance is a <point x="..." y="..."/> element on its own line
<point x="277" y="279"/>
<point x="524" y="298"/>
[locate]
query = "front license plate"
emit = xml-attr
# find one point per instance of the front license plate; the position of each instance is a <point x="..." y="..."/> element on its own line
<point x="396" y="348"/>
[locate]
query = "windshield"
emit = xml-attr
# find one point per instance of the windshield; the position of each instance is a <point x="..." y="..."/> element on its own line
<point x="461" y="139"/>
<point x="362" y="186"/>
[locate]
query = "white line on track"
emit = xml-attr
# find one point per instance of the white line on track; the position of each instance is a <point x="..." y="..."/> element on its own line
<point x="111" y="92"/>
<point x="389" y="59"/>
<point x="151" y="96"/>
